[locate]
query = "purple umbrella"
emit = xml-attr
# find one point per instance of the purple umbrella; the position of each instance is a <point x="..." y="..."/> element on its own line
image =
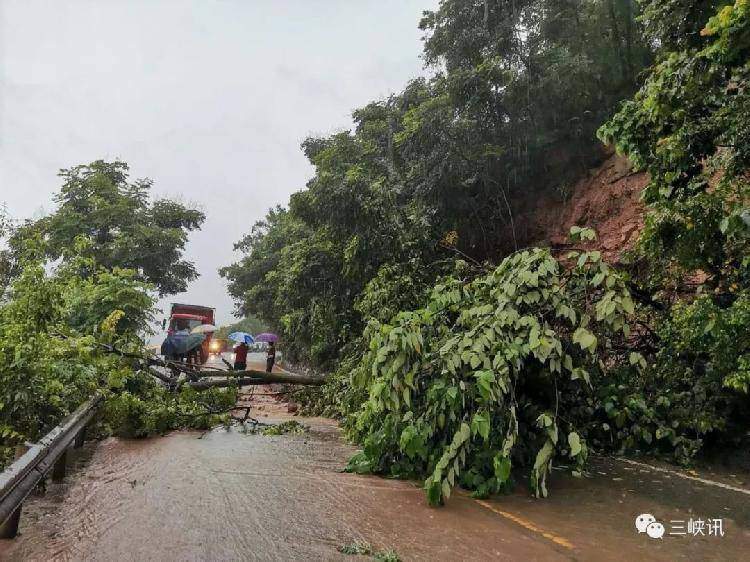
<point x="267" y="337"/>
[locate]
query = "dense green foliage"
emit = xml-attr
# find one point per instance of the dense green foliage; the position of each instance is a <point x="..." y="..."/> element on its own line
<point x="532" y="361"/>
<point x="445" y="168"/>
<point x="48" y="358"/>
<point x="492" y="371"/>
<point x="123" y="226"/>
<point x="55" y="319"/>
<point x="51" y="360"/>
<point x="5" y="254"/>
<point x="689" y="127"/>
<point x="444" y="366"/>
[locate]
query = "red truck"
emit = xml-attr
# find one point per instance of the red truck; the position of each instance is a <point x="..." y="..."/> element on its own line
<point x="188" y="316"/>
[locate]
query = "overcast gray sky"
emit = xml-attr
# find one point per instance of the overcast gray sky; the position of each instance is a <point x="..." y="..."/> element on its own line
<point x="210" y="99"/>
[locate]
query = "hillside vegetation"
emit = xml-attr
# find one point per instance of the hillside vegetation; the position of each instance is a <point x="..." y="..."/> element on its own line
<point x="457" y="353"/>
<point x="475" y="328"/>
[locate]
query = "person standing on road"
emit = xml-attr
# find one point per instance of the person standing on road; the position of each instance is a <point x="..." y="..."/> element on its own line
<point x="240" y="357"/>
<point x="270" y="357"/>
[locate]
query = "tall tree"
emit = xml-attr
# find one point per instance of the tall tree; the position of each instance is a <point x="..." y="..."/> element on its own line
<point x="674" y="25"/>
<point x="122" y="225"/>
<point x="445" y="167"/>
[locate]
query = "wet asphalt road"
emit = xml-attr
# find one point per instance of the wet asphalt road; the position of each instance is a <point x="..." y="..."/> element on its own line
<point x="229" y="495"/>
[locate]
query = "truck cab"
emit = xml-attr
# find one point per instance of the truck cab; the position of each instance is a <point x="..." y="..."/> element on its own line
<point x="183" y="318"/>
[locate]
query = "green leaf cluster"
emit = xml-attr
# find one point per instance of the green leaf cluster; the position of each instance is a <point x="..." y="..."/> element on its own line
<point x="56" y="314"/>
<point x="124" y="228"/>
<point x="479" y="380"/>
<point x="688" y="127"/>
<point x="50" y="326"/>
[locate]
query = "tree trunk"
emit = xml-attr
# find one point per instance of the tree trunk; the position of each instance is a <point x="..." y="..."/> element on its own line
<point x="252" y="377"/>
<point x="616" y="37"/>
<point x="629" y="31"/>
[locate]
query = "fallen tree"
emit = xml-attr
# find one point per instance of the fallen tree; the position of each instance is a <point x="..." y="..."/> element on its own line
<point x="251" y="377"/>
<point x="209" y="378"/>
<point x="492" y="373"/>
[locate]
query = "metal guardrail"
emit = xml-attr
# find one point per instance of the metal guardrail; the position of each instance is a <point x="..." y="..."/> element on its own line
<point x="21" y="477"/>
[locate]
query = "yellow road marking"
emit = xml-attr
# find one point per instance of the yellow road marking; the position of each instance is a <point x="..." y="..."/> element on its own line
<point x="528" y="525"/>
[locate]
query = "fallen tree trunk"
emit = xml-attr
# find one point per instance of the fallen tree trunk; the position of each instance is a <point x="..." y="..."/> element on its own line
<point x="219" y="383"/>
<point x="215" y="378"/>
<point x="251" y="377"/>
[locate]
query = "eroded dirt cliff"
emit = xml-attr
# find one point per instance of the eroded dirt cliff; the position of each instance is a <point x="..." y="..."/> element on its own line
<point x="607" y="200"/>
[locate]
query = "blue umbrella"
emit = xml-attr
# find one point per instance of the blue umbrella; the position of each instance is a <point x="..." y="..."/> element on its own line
<point x="178" y="344"/>
<point x="241" y="337"/>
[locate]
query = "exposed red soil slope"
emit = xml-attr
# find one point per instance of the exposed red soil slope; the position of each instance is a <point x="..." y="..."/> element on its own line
<point x="607" y="200"/>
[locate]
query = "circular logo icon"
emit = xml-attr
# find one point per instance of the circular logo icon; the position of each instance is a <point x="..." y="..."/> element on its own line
<point x="655" y="530"/>
<point x="643" y="521"/>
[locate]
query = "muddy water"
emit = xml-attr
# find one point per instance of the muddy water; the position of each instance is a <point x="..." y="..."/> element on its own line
<point x="225" y="495"/>
<point x="597" y="513"/>
<point x="229" y="495"/>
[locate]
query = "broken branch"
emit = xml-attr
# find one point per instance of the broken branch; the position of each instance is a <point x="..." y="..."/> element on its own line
<point x="252" y="377"/>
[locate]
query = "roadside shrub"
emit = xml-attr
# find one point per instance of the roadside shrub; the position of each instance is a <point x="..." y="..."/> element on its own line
<point x="52" y="325"/>
<point x="482" y="379"/>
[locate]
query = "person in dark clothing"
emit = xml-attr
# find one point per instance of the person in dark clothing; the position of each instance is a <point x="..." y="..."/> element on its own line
<point x="240" y="357"/>
<point x="270" y="357"/>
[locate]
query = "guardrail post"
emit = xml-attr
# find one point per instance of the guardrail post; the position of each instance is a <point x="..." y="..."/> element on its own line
<point x="58" y="471"/>
<point x="9" y="529"/>
<point x="80" y="438"/>
<point x="31" y="465"/>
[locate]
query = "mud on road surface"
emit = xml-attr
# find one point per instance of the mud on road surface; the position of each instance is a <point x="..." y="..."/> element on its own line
<point x="232" y="496"/>
<point x="229" y="495"/>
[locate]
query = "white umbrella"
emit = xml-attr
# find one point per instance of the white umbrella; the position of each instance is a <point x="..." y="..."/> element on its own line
<point x="204" y="329"/>
<point x="241" y="337"/>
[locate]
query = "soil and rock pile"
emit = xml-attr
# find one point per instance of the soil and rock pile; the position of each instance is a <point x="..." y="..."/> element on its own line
<point x="607" y="200"/>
